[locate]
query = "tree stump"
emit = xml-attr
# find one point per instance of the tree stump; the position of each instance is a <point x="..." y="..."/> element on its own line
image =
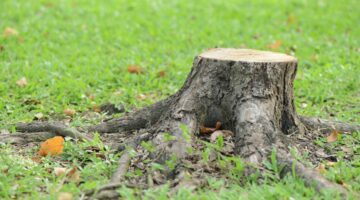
<point x="248" y="92"/>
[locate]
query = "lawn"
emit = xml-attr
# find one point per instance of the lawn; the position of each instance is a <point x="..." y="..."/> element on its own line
<point x="75" y="54"/>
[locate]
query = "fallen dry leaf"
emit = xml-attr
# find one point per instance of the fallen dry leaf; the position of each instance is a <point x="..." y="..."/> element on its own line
<point x="330" y="164"/>
<point x="333" y="136"/>
<point x="69" y="112"/>
<point x="39" y="116"/>
<point x="65" y="196"/>
<point x="8" y="32"/>
<point x="347" y="150"/>
<point x="73" y="175"/>
<point x="96" y="108"/>
<point x="161" y="73"/>
<point x="227" y="133"/>
<point x="36" y="159"/>
<point x="134" y="69"/>
<point x="53" y="146"/>
<point x="22" y="82"/>
<point x="215" y="135"/>
<point x="321" y="168"/>
<point x="21" y="39"/>
<point x="276" y="45"/>
<point x="314" y="57"/>
<point x="207" y="130"/>
<point x="291" y="19"/>
<point x="59" y="171"/>
<point x="2" y="48"/>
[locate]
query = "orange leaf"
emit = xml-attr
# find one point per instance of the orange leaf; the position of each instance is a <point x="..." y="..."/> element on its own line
<point x="333" y="136"/>
<point x="53" y="146"/>
<point x="207" y="130"/>
<point x="69" y="112"/>
<point x="22" y="82"/>
<point x="134" y="69"/>
<point x="276" y="45"/>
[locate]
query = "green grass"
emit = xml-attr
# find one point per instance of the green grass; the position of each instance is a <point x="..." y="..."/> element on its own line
<point x="69" y="50"/>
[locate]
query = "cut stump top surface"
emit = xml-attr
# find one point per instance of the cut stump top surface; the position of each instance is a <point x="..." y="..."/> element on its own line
<point x="246" y="55"/>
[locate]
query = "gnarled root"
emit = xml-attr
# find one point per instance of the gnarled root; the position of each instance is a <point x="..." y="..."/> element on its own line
<point x="25" y="138"/>
<point x="311" y="177"/>
<point x="52" y="127"/>
<point x="140" y="119"/>
<point x="326" y="126"/>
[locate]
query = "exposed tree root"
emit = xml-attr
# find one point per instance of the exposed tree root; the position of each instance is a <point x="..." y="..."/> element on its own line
<point x="142" y="118"/>
<point x="311" y="177"/>
<point x="326" y="126"/>
<point x="107" y="191"/>
<point x="52" y="127"/>
<point x="250" y="92"/>
<point x="25" y="138"/>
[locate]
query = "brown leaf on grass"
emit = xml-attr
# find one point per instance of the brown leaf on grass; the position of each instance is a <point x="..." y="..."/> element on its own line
<point x="59" y="171"/>
<point x="36" y="159"/>
<point x="314" y="57"/>
<point x="2" y="48"/>
<point x="31" y="102"/>
<point x="330" y="164"/>
<point x="347" y="150"/>
<point x="321" y="168"/>
<point x="69" y="112"/>
<point x="161" y="73"/>
<point x="38" y="116"/>
<point x="8" y="32"/>
<point x="333" y="136"/>
<point x="134" y="69"/>
<point x="21" y="39"/>
<point x="53" y="146"/>
<point x="65" y="196"/>
<point x="22" y="82"/>
<point x="276" y="45"/>
<point x="291" y="19"/>
<point x="96" y="108"/>
<point x="91" y="97"/>
<point x="73" y="175"/>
